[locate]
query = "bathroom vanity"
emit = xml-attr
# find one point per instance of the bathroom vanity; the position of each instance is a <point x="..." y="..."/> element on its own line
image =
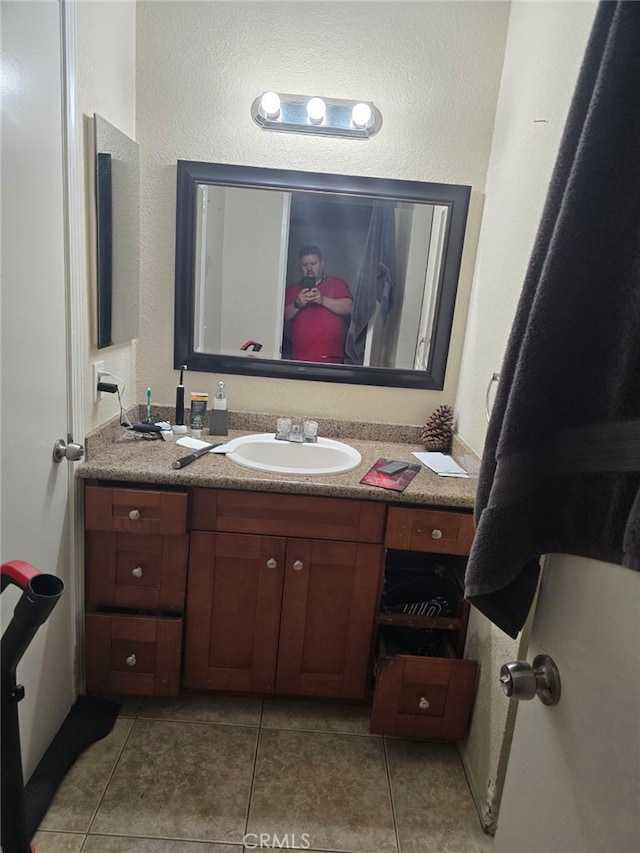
<point x="220" y="578"/>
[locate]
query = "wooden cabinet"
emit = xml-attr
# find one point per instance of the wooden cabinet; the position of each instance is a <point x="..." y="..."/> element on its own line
<point x="429" y="693"/>
<point x="136" y="549"/>
<point x="275" y="593"/>
<point x="282" y="613"/>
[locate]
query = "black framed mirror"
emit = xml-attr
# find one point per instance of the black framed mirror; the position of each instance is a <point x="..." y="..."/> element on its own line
<point x="395" y="245"/>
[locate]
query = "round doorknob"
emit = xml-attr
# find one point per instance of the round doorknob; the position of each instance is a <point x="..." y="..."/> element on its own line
<point x="521" y="680"/>
<point x="271" y="564"/>
<point x="423" y="704"/>
<point x="73" y="451"/>
<point x="131" y="660"/>
<point x="137" y="572"/>
<point x="298" y="565"/>
<point x="134" y="515"/>
<point x="436" y="534"/>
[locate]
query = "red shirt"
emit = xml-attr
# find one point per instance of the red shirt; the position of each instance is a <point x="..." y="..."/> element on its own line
<point x="318" y="334"/>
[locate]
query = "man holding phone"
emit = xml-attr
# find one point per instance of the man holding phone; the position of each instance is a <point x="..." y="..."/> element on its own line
<point x="316" y="307"/>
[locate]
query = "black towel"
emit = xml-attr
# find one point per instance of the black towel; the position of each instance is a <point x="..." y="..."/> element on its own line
<point x="376" y="280"/>
<point x="560" y="470"/>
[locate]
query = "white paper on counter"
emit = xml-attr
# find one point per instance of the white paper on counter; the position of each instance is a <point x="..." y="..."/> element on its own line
<point x="441" y="464"/>
<point x="197" y="444"/>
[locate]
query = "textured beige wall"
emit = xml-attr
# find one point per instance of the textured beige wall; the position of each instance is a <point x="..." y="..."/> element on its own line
<point x="105" y="85"/>
<point x="432" y="68"/>
<point x="545" y="46"/>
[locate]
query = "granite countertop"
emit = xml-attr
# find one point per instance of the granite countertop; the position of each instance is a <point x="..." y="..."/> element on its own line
<point x="113" y="453"/>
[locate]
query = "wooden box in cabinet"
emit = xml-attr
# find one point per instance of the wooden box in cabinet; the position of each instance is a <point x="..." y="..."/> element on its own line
<point x="424" y="697"/>
<point x="434" y="531"/>
<point x="133" y="654"/>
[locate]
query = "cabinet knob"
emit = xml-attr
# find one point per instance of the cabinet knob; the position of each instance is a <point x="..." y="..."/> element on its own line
<point x="137" y="572"/>
<point x="423" y="704"/>
<point x="298" y="565"/>
<point x="134" y="514"/>
<point x="271" y="564"/>
<point x="131" y="660"/>
<point x="436" y="534"/>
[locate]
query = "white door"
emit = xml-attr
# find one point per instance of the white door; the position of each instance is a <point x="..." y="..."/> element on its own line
<point x="34" y="508"/>
<point x="573" y="779"/>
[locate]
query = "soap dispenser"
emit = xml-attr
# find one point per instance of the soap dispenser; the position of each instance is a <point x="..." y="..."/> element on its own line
<point x="219" y="423"/>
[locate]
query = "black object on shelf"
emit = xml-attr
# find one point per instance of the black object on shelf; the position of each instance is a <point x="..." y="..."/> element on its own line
<point x="419" y="586"/>
<point x="421" y="642"/>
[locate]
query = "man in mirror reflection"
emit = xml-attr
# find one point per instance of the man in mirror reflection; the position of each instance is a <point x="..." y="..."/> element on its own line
<point x="317" y="309"/>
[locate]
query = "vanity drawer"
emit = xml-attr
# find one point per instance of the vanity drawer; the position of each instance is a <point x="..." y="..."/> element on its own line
<point x="434" y="531"/>
<point x="288" y="515"/>
<point x="135" y="570"/>
<point x="135" y="511"/>
<point x="133" y="654"/>
<point x="423" y="697"/>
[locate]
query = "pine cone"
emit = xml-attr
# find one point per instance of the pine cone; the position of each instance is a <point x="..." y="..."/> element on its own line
<point x="437" y="433"/>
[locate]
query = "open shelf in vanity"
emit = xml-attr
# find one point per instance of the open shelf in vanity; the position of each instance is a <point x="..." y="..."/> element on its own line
<point x="423" y="685"/>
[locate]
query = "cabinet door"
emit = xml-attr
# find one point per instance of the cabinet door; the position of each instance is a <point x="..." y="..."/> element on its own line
<point x="328" y="611"/>
<point x="234" y="594"/>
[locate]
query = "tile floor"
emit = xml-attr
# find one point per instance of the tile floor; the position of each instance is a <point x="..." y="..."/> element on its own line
<point x="218" y="774"/>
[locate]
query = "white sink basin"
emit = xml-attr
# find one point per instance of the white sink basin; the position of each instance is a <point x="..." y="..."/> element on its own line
<point x="264" y="453"/>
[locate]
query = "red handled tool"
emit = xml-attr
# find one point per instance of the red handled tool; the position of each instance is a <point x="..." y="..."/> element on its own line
<point x="40" y="594"/>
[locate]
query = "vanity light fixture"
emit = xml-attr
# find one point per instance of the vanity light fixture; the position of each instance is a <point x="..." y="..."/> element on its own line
<point x="321" y="116"/>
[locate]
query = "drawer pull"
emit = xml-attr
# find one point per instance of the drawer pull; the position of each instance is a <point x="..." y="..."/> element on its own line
<point x="423" y="704"/>
<point x="436" y="534"/>
<point x="298" y="565"/>
<point x="271" y="564"/>
<point x="134" y="515"/>
<point x="137" y="572"/>
<point x="131" y="660"/>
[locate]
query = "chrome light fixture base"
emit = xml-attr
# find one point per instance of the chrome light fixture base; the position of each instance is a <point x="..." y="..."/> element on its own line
<point x="296" y="114"/>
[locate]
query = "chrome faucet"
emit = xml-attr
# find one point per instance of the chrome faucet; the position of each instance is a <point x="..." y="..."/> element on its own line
<point x="296" y="430"/>
<point x="295" y="433"/>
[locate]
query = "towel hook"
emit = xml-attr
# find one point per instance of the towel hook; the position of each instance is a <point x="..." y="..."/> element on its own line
<point x="495" y="377"/>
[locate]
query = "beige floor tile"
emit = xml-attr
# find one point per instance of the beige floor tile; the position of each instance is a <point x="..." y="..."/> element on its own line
<point x="311" y="715"/>
<point x="78" y="796"/>
<point x="205" y="708"/>
<point x="115" y="844"/>
<point x="181" y="780"/>
<point x="330" y="787"/>
<point x="57" y="842"/>
<point x="432" y="803"/>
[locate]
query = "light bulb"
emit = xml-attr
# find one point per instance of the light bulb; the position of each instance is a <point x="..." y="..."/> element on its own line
<point x="361" y="115"/>
<point x="316" y="109"/>
<point x="270" y="104"/>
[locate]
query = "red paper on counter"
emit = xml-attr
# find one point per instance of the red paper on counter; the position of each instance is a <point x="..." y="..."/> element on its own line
<point x="396" y="482"/>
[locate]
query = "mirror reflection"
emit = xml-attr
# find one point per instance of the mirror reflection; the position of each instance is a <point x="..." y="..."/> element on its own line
<point x="118" y="233"/>
<point x="356" y="285"/>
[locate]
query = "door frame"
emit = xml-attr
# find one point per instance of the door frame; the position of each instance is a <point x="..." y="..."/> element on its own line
<point x="74" y="321"/>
